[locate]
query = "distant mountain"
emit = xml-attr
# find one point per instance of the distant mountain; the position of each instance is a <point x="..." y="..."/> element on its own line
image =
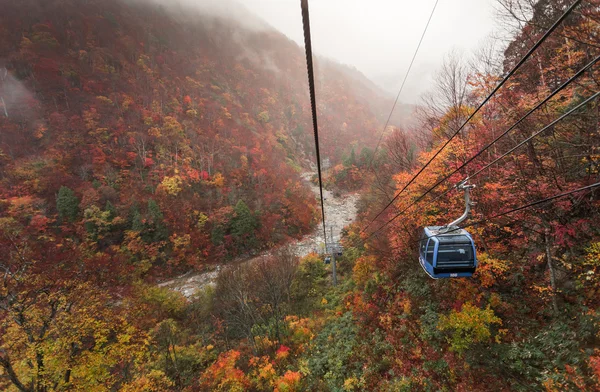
<point x="170" y="117"/>
<point x="381" y="100"/>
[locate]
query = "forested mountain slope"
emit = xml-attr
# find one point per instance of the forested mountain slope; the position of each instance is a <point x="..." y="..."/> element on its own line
<point x="529" y="318"/>
<point x="138" y="141"/>
<point x="180" y="126"/>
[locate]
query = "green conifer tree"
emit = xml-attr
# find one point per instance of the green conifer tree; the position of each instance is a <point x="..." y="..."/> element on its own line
<point x="244" y="225"/>
<point x="110" y="208"/>
<point x="156" y="227"/>
<point x="67" y="204"/>
<point x="136" y="221"/>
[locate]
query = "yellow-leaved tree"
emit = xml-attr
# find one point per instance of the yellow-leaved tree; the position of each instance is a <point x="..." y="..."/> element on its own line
<point x="468" y="326"/>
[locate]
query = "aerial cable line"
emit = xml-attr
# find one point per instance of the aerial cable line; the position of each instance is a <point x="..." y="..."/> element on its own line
<point x="547" y="127"/>
<point x="535" y="203"/>
<point x="534" y="135"/>
<point x="502" y="82"/>
<point x="445" y="178"/>
<point x="544" y="129"/>
<point x="403" y="83"/>
<point x="560" y="88"/>
<point x="313" y="104"/>
<point x="516" y="209"/>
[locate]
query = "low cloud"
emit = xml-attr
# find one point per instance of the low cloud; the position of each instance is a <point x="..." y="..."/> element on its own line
<point x="16" y="101"/>
<point x="221" y="9"/>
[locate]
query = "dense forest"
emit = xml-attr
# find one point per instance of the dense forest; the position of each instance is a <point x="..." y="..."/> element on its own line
<point x="139" y="142"/>
<point x="123" y="119"/>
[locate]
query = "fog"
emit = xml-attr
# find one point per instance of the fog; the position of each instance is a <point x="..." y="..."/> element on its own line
<point x="379" y="37"/>
<point x="15" y="99"/>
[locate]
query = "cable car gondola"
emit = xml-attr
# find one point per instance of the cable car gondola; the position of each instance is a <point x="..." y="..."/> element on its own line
<point x="449" y="251"/>
<point x="447" y="254"/>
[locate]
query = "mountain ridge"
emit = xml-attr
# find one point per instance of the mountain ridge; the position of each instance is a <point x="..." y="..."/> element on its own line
<point x="127" y="104"/>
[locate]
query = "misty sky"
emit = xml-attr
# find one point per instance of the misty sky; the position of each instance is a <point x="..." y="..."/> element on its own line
<point x="379" y="36"/>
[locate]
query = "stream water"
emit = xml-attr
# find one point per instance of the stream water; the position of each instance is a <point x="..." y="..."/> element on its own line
<point x="339" y="212"/>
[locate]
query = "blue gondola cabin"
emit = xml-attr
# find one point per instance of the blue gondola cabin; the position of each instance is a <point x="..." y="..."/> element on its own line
<point x="447" y="253"/>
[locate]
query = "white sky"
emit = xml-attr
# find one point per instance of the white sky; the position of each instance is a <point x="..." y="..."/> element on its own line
<point x="379" y="36"/>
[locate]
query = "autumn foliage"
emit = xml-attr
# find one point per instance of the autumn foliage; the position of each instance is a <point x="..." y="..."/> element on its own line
<point x="528" y="319"/>
<point x="138" y="143"/>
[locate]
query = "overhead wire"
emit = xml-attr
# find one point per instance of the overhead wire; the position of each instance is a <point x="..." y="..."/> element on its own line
<point x="403" y="83"/>
<point x="313" y="105"/>
<point x="513" y="210"/>
<point x="485" y="220"/>
<point x="490" y="95"/>
<point x="464" y="164"/>
<point x="512" y="150"/>
<point x="308" y="47"/>
<point x="547" y="127"/>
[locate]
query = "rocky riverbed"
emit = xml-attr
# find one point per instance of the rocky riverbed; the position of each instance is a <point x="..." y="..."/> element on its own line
<point x="339" y="212"/>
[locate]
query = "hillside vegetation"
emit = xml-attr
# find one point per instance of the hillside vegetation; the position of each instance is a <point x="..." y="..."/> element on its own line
<point x="186" y="131"/>
<point x="138" y="142"/>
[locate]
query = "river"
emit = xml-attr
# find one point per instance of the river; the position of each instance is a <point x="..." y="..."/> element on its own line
<point x="339" y="212"/>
